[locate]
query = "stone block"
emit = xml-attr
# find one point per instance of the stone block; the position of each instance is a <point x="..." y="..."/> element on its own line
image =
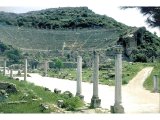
<point x="60" y="104"/>
<point x="117" y="109"/>
<point x="57" y="91"/>
<point x="8" y="87"/>
<point x="43" y="107"/>
<point x="95" y="102"/>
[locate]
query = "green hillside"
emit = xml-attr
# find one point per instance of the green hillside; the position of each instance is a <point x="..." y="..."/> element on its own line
<point x="61" y="18"/>
<point x="75" y="28"/>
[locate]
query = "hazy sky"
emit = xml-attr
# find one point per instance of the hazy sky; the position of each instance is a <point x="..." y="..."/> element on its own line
<point x="131" y="17"/>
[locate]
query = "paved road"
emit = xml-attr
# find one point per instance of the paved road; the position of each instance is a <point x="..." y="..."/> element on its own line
<point x="135" y="98"/>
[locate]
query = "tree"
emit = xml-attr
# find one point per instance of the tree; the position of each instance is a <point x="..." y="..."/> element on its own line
<point x="58" y="63"/>
<point x="152" y="13"/>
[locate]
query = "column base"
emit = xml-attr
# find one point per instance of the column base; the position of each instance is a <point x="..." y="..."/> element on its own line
<point x="95" y="102"/>
<point x="117" y="109"/>
<point x="80" y="96"/>
<point x="155" y="91"/>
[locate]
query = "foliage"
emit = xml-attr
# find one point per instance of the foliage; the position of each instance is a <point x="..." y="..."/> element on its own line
<point x="13" y="54"/>
<point x="106" y="76"/>
<point x="147" y="50"/>
<point x="152" y="13"/>
<point x="61" y="18"/>
<point x="148" y="84"/>
<point x="58" y="64"/>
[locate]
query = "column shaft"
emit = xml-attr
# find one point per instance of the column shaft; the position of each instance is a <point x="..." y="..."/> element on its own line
<point x="118" y="79"/>
<point x="4" y="68"/>
<point x="95" y="75"/>
<point x="79" y="75"/>
<point x="45" y="68"/>
<point x="25" y="70"/>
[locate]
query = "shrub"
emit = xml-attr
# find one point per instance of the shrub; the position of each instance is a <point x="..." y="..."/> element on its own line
<point x="73" y="103"/>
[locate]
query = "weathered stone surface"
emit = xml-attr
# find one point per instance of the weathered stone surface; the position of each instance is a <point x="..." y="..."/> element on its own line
<point x="43" y="107"/>
<point x="95" y="102"/>
<point x="60" y="103"/>
<point x="117" y="109"/>
<point x="17" y="102"/>
<point x="8" y="87"/>
<point x="47" y="89"/>
<point x="57" y="91"/>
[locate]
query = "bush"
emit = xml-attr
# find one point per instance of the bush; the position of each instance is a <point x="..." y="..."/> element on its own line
<point x="140" y="58"/>
<point x="73" y="103"/>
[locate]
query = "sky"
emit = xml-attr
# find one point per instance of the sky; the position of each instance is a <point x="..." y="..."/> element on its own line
<point x="130" y="17"/>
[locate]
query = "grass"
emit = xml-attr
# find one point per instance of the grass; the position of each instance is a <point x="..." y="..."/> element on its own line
<point x="148" y="84"/>
<point x="105" y="76"/>
<point x="28" y="92"/>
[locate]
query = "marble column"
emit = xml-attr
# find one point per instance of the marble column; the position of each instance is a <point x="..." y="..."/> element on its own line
<point x="155" y="83"/>
<point x="118" y="108"/>
<point x="95" y="101"/>
<point x="11" y="73"/>
<point x="25" y="69"/>
<point x="4" y="67"/>
<point x="79" y="77"/>
<point x="46" y="68"/>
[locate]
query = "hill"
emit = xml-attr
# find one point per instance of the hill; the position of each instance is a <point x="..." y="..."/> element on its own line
<point x="61" y="18"/>
<point x="75" y="28"/>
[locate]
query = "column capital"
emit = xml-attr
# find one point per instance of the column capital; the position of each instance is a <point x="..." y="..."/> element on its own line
<point x="118" y="49"/>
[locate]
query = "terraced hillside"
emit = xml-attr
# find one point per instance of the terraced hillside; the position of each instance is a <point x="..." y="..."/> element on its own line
<point x="31" y="38"/>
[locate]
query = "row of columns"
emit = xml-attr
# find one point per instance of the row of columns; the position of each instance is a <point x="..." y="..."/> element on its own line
<point x="95" y="101"/>
<point x="25" y="68"/>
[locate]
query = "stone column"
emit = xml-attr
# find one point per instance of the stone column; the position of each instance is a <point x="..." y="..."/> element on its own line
<point x="79" y="77"/>
<point x="25" y="70"/>
<point x="45" y="68"/>
<point x="155" y="83"/>
<point x="4" y="67"/>
<point x="95" y="101"/>
<point x="118" y="108"/>
<point x="11" y="73"/>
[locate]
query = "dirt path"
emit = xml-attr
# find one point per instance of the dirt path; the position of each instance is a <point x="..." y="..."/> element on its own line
<point x="142" y="100"/>
<point x="135" y="98"/>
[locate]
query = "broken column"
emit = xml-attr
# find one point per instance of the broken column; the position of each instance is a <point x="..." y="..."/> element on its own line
<point x="95" y="101"/>
<point x="155" y="83"/>
<point x="4" y="67"/>
<point x="11" y="73"/>
<point x="45" y="68"/>
<point x="118" y="108"/>
<point x="25" y="69"/>
<point x="79" y="77"/>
